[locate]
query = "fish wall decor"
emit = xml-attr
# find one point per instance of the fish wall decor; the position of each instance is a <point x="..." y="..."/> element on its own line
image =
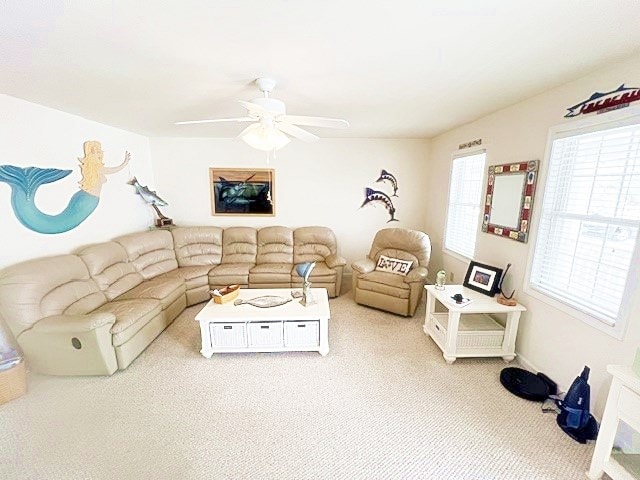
<point x="389" y="177"/>
<point x="24" y="183"/>
<point x="372" y="197"/>
<point x="152" y="198"/>
<point x="149" y="196"/>
<point x="604" y="101"/>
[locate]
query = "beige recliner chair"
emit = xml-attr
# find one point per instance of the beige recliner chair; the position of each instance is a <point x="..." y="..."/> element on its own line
<point x="388" y="291"/>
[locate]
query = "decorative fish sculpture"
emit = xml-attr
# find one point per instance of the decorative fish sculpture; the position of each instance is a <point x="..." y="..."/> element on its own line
<point x="304" y="270"/>
<point x="375" y="196"/>
<point x="147" y="195"/>
<point x="24" y="183"/>
<point x="266" y="301"/>
<point x="607" y="100"/>
<point x="388" y="177"/>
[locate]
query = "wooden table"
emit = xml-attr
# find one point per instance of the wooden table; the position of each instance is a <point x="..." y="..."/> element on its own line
<point x="470" y="330"/>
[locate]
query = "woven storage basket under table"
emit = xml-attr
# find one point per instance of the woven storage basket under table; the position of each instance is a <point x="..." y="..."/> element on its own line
<point x="13" y="382"/>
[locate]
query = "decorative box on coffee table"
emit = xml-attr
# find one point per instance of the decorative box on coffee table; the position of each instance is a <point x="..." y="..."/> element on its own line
<point x="470" y="330"/>
<point x="245" y="328"/>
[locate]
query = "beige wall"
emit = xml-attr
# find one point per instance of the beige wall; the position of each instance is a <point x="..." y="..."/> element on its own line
<point x="550" y="340"/>
<point x="321" y="183"/>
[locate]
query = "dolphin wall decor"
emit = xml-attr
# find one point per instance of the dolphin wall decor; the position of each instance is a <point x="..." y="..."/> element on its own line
<point x="24" y="183"/>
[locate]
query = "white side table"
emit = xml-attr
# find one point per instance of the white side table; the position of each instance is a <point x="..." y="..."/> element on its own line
<point x="623" y="404"/>
<point x="469" y="331"/>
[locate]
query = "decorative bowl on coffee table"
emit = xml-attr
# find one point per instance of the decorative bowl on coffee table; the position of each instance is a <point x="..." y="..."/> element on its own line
<point x="226" y="294"/>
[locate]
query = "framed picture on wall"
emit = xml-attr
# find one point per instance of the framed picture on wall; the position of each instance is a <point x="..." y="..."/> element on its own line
<point x="242" y="191"/>
<point x="483" y="278"/>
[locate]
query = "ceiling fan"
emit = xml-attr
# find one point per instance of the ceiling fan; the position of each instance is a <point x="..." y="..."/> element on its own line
<point x="272" y="127"/>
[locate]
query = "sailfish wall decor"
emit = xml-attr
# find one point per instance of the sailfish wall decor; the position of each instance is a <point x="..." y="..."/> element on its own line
<point x="373" y="197"/>
<point x="24" y="183"/>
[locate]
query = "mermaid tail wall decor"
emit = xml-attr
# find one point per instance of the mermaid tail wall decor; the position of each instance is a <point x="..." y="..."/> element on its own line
<point x="24" y="183"/>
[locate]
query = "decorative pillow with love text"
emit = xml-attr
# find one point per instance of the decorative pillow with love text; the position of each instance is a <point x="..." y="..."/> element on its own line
<point x="393" y="265"/>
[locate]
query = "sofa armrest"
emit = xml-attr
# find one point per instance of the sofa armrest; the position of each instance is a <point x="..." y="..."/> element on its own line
<point x="418" y="274"/>
<point x="71" y="345"/>
<point x="363" y="266"/>
<point x="74" y="323"/>
<point x="334" y="261"/>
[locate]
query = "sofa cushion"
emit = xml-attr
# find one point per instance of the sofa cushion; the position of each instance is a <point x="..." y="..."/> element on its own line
<point x="239" y="245"/>
<point x="385" y="283"/>
<point x="402" y="244"/>
<point x="109" y="266"/>
<point x="275" y="245"/>
<point x="197" y="245"/>
<point x="230" y="273"/>
<point x="167" y="290"/>
<point x="43" y="287"/>
<point x="151" y="253"/>
<point x="313" y="244"/>
<point x="271" y="273"/>
<point x="193" y="277"/>
<point x="131" y="315"/>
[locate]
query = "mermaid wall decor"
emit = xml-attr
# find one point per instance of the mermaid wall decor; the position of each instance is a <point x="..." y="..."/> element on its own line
<point x="24" y="183"/>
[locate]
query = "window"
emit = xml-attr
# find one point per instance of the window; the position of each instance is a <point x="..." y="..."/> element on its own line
<point x="589" y="222"/>
<point x="465" y="191"/>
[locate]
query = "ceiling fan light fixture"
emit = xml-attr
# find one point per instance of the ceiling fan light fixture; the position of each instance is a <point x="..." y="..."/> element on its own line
<point x="265" y="138"/>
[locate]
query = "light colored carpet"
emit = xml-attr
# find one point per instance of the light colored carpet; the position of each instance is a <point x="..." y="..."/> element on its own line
<point x="383" y="404"/>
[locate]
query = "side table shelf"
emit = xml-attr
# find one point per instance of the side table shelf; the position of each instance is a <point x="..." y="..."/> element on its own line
<point x="623" y="405"/>
<point x="470" y="330"/>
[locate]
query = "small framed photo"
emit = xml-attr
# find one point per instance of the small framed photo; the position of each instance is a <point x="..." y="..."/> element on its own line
<point x="242" y="191"/>
<point x="483" y="278"/>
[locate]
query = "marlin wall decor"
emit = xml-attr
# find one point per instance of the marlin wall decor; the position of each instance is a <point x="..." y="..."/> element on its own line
<point x="24" y="183"/>
<point x="376" y="197"/>
<point x="605" y="102"/>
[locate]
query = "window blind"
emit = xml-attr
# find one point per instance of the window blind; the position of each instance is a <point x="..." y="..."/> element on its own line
<point x="589" y="221"/>
<point x="465" y="191"/>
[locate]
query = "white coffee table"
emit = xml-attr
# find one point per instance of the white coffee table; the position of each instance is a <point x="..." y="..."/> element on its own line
<point x="286" y="328"/>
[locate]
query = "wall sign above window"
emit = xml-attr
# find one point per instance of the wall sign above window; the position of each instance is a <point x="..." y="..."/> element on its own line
<point x="473" y="143"/>
<point x="604" y="102"/>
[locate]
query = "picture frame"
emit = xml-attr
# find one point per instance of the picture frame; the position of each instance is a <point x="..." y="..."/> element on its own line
<point x="242" y="191"/>
<point x="509" y="200"/>
<point x="483" y="278"/>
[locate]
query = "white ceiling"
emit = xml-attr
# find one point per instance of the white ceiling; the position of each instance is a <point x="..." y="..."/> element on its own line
<point x="400" y="68"/>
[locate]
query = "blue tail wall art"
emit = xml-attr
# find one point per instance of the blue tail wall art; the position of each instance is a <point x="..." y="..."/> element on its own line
<point x="24" y="183"/>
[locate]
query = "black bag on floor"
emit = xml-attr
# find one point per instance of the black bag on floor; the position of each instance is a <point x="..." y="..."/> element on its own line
<point x="574" y="418"/>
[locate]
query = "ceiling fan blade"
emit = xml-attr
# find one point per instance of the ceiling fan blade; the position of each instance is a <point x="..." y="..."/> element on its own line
<point x="296" y="132"/>
<point x="313" y="121"/>
<point x="215" y="120"/>
<point x="254" y="108"/>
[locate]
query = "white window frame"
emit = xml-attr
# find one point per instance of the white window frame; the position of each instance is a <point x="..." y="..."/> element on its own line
<point x="467" y="153"/>
<point x="620" y="118"/>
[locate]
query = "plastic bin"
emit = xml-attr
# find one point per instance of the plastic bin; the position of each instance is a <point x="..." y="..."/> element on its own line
<point x="13" y="374"/>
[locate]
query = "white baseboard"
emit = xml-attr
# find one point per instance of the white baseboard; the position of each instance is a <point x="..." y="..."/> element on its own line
<point x="529" y="365"/>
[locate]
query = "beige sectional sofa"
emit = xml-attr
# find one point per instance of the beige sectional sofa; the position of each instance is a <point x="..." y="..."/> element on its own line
<point x="94" y="312"/>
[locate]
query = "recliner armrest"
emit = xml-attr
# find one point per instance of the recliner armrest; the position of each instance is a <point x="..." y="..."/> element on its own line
<point x="334" y="261"/>
<point x="74" y="323"/>
<point x="418" y="274"/>
<point x="363" y="266"/>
